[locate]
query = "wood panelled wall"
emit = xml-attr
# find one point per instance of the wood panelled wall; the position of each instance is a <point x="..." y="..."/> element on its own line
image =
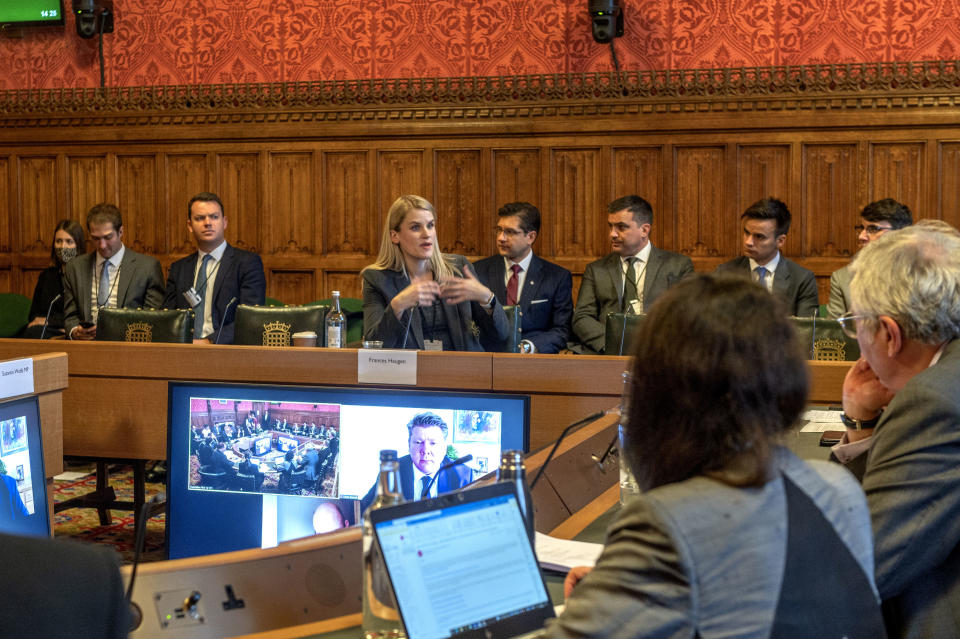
<point x="310" y="193"/>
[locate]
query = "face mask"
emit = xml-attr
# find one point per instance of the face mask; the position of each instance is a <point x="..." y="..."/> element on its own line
<point x="66" y="254"/>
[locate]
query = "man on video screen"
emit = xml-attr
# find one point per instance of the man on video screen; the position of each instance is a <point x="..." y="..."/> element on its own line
<point x="426" y="472"/>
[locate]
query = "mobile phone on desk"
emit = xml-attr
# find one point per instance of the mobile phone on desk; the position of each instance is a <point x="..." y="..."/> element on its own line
<point x="87" y="324"/>
<point x="831" y="437"/>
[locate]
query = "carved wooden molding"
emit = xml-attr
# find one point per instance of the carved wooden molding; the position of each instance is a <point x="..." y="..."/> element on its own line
<point x="881" y="85"/>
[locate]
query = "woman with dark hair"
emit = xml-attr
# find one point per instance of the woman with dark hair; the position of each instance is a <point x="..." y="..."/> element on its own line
<point x="68" y="242"/>
<point x="733" y="535"/>
<point x="414" y="296"/>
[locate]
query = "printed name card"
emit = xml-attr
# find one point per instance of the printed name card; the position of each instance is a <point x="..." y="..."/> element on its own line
<point x="16" y="377"/>
<point x="378" y="366"/>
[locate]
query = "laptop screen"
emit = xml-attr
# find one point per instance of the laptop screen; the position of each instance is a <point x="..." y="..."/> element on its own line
<point x="463" y="565"/>
<point x="23" y="486"/>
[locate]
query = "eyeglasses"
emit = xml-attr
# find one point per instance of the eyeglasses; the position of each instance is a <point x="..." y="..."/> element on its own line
<point x="848" y="323"/>
<point x="871" y="229"/>
<point x="509" y="232"/>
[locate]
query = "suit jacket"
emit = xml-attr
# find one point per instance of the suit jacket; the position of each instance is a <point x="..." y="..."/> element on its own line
<point x="240" y="276"/>
<point x="795" y="285"/>
<point x="34" y="603"/>
<point x="465" y="320"/>
<point x="601" y="291"/>
<point x="839" y="302"/>
<point x="912" y="482"/>
<point x="449" y="478"/>
<point x="700" y="558"/>
<point x="546" y="301"/>
<point x="139" y="285"/>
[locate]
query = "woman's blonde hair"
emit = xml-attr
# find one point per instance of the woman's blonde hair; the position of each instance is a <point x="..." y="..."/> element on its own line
<point x="391" y="257"/>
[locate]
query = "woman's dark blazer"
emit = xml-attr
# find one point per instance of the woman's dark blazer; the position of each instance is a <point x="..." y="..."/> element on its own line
<point x="465" y="321"/>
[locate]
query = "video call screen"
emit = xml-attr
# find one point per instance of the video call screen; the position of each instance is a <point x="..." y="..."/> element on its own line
<point x="254" y="466"/>
<point x="23" y="487"/>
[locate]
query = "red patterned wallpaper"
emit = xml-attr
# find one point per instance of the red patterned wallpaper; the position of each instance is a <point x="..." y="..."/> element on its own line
<point x="164" y="42"/>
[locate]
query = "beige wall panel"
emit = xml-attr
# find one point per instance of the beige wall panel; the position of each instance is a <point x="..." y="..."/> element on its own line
<point x="347" y="283"/>
<point x="459" y="202"/>
<point x="830" y="196"/>
<point x="896" y="170"/>
<point x="399" y="173"/>
<point x="137" y="196"/>
<point x="948" y="194"/>
<point x="577" y="202"/>
<point x="36" y="213"/>
<point x="238" y="185"/>
<point x="186" y="175"/>
<point x="516" y="178"/>
<point x="87" y="185"/>
<point x="699" y="197"/>
<point x="290" y="222"/>
<point x="346" y="202"/>
<point x="291" y="286"/>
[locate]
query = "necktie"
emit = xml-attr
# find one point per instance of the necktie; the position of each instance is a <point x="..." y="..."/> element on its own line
<point x="103" y="289"/>
<point x="424" y="487"/>
<point x="201" y="293"/>
<point x="513" y="284"/>
<point x="630" y="285"/>
<point x="762" y="276"/>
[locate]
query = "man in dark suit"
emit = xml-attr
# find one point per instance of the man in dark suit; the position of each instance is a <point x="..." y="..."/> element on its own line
<point x="426" y="472"/>
<point x="215" y="279"/>
<point x="112" y="276"/>
<point x="765" y="226"/>
<point x="629" y="279"/>
<point x="219" y="461"/>
<point x="902" y="410"/>
<point x="542" y="290"/>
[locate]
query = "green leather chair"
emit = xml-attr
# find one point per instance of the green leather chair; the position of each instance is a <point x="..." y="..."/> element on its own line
<point x="621" y="329"/>
<point x="145" y="325"/>
<point x="823" y="340"/>
<point x="275" y="325"/>
<point x="14" y="314"/>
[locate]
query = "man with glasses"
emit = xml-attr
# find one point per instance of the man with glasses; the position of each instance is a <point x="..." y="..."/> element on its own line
<point x="542" y="290"/>
<point x="876" y="219"/>
<point x="901" y="406"/>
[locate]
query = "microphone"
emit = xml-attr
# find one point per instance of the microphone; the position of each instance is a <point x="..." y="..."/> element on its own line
<point x="566" y="431"/>
<point x="406" y="331"/>
<point x="455" y="462"/>
<point x="136" y="615"/>
<point x="611" y="450"/>
<point x="623" y="333"/>
<point x="813" y="337"/>
<point x="49" y="310"/>
<point x="233" y="300"/>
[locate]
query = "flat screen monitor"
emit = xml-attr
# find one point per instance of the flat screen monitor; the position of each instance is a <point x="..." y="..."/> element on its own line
<point x="303" y="460"/>
<point x="31" y="13"/>
<point x="23" y="485"/>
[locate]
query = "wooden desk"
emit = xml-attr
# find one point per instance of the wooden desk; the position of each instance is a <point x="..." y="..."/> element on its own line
<point x="116" y="402"/>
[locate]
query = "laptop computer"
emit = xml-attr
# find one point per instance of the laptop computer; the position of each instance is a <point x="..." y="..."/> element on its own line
<point x="462" y="566"/>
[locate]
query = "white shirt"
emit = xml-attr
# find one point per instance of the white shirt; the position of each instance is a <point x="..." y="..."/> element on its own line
<point x="639" y="269"/>
<point x="418" y="482"/>
<point x="111" y="302"/>
<point x="771" y="267"/>
<point x="521" y="276"/>
<point x="211" y="276"/>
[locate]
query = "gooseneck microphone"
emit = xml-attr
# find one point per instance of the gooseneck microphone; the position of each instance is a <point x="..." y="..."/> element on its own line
<point x="233" y="300"/>
<point x="455" y="462"/>
<point x="566" y="431"/>
<point x="49" y="310"/>
<point x="136" y="615"/>
<point x="406" y="331"/>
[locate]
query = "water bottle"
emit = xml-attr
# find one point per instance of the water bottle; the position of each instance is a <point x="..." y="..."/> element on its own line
<point x="381" y="619"/>
<point x="513" y="470"/>
<point x="628" y="483"/>
<point x="336" y="324"/>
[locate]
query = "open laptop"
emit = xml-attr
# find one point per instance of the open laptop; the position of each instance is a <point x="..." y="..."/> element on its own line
<point x="461" y="565"/>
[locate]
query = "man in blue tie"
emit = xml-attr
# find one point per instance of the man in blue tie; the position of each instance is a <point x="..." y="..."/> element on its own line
<point x="113" y="276"/>
<point x="765" y="226"/>
<point x="215" y="279"/>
